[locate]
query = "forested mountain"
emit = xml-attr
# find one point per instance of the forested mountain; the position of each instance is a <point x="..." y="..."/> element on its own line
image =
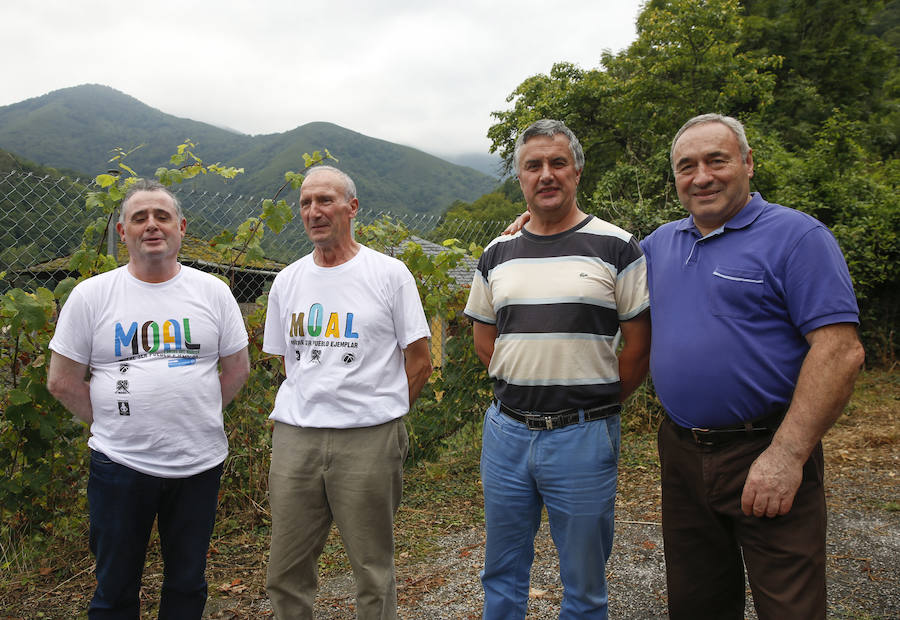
<point x="76" y="128"/>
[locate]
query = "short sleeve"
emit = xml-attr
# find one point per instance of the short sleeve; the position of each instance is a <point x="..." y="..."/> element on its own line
<point x="632" y="295"/>
<point x="73" y="335"/>
<point x="273" y="334"/>
<point x="410" y="323"/>
<point x="818" y="288"/>
<point x="480" y="306"/>
<point x="232" y="332"/>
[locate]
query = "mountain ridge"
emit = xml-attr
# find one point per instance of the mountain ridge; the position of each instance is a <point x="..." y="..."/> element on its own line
<point x="76" y="128"/>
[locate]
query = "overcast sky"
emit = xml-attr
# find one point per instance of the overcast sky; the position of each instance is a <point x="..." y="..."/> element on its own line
<point x="425" y="74"/>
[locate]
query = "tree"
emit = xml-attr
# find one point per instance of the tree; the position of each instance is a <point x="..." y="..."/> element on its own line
<point x="480" y="221"/>
<point x="685" y="61"/>
<point x="816" y="85"/>
<point x="833" y="58"/>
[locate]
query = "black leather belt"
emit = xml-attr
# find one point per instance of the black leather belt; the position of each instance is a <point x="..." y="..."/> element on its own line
<point x="539" y="421"/>
<point x="711" y="437"/>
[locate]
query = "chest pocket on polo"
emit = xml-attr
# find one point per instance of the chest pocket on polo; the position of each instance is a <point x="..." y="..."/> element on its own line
<point x="736" y="293"/>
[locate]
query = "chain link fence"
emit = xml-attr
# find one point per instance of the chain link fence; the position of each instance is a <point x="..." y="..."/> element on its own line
<point x="42" y="220"/>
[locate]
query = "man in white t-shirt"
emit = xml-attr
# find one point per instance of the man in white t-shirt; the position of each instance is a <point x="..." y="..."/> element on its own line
<point x="349" y="324"/>
<point x="151" y="336"/>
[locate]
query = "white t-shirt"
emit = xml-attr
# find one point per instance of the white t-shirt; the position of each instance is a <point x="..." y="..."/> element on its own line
<point x="153" y="351"/>
<point x="342" y="331"/>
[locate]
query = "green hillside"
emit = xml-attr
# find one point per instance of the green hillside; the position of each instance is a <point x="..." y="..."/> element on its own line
<point x="76" y="128"/>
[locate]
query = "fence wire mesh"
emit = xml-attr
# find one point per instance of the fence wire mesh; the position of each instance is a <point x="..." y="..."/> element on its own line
<point x="42" y="219"/>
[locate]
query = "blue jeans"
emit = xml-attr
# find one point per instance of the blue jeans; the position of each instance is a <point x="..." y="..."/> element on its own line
<point x="572" y="470"/>
<point x="123" y="505"/>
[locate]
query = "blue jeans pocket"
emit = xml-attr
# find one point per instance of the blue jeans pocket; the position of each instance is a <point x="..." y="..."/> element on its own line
<point x="99" y="458"/>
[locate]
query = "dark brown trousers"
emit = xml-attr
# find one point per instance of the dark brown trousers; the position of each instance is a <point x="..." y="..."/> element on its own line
<point x="708" y="540"/>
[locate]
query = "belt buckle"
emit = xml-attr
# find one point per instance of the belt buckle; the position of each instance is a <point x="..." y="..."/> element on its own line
<point x="548" y="421"/>
<point x="533" y="423"/>
<point x="698" y="434"/>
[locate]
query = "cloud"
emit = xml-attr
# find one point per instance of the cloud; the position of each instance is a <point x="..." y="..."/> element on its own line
<point x="423" y="74"/>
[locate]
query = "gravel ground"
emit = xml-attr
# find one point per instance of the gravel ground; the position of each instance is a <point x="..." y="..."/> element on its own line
<point x="862" y="473"/>
<point x="863" y="549"/>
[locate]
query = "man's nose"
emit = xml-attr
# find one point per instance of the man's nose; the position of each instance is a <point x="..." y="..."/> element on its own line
<point x="703" y="175"/>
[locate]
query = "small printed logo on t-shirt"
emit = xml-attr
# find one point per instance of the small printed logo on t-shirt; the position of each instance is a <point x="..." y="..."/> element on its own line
<point x="124" y="409"/>
<point x="123" y="368"/>
<point x="122" y="386"/>
<point x="315" y="356"/>
<point x="349" y="358"/>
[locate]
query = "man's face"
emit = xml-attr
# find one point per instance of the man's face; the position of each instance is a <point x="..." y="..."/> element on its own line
<point x="548" y="176"/>
<point x="711" y="177"/>
<point x="152" y="230"/>
<point x="325" y="209"/>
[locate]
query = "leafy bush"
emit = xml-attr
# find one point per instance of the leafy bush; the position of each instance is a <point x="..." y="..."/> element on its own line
<point x="41" y="451"/>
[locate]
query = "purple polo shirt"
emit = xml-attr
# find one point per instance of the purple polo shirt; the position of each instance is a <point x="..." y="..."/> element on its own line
<point x="731" y="310"/>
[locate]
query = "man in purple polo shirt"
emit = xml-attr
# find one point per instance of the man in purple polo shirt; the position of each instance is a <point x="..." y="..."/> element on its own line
<point x="754" y="355"/>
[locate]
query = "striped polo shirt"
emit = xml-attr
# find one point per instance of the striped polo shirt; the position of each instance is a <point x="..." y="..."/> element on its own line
<point x="557" y="301"/>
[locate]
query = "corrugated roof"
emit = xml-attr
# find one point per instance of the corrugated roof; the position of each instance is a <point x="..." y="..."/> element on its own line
<point x="462" y="273"/>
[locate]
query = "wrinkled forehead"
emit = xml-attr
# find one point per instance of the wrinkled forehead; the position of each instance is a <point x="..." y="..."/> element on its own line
<point x="542" y="147"/>
<point x="705" y="138"/>
<point x="149" y="200"/>
<point x="324" y="181"/>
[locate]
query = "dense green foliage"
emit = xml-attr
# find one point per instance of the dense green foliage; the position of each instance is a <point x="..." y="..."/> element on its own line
<point x="816" y="84"/>
<point x="479" y="220"/>
<point x="76" y="127"/>
<point x="459" y="388"/>
<point x="42" y="452"/>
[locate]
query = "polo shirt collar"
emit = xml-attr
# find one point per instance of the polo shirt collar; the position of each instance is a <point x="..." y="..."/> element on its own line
<point x="743" y="218"/>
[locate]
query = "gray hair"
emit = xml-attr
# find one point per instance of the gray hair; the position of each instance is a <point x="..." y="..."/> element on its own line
<point x="149" y="185"/>
<point x="732" y="123"/>
<point x="349" y="185"/>
<point x="549" y="127"/>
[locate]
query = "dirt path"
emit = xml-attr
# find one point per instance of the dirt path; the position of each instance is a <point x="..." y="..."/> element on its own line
<point x="863" y="575"/>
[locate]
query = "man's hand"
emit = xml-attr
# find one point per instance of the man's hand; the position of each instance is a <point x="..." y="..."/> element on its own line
<point x="518" y="224"/>
<point x="823" y="389"/>
<point x="772" y="483"/>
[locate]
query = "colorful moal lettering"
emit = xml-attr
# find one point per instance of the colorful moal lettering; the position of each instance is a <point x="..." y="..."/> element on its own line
<point x="314" y="321"/>
<point x="170" y="334"/>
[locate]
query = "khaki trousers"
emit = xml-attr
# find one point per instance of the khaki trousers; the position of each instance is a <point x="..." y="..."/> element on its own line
<point x="353" y="477"/>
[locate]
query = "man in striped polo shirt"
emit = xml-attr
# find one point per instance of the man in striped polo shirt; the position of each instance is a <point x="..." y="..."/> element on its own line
<point x="546" y="304"/>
